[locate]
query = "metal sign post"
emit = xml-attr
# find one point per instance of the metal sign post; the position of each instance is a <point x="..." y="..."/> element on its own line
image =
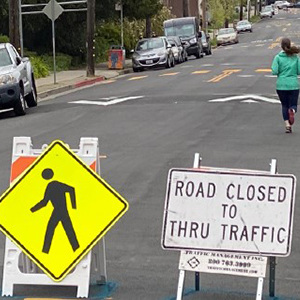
<point x="119" y="7"/>
<point x="53" y="10"/>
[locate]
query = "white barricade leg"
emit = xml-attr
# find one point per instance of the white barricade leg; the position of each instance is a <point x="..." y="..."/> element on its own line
<point x="180" y="285"/>
<point x="260" y="284"/>
<point x="99" y="262"/>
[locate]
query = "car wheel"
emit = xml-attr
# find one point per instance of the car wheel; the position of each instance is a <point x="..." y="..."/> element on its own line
<point x="168" y="63"/>
<point x="198" y="55"/>
<point x="31" y="98"/>
<point x="173" y="62"/>
<point x="135" y="69"/>
<point x="20" y="106"/>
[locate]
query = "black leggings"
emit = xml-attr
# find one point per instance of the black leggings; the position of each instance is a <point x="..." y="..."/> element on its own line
<point x="288" y="99"/>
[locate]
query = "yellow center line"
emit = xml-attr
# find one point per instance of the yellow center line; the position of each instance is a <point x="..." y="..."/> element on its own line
<point x="263" y="70"/>
<point x="273" y="45"/>
<point x="224" y="74"/>
<point x="169" y="74"/>
<point x="201" y="72"/>
<point x="278" y="39"/>
<point x="138" y="77"/>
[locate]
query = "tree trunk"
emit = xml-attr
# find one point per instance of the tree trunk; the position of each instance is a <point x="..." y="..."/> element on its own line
<point x="14" y="32"/>
<point x="148" y="27"/>
<point x="226" y="24"/>
<point x="185" y="8"/>
<point x="241" y="10"/>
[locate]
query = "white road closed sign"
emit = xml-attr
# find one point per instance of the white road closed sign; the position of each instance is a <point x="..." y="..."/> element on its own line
<point x="229" y="211"/>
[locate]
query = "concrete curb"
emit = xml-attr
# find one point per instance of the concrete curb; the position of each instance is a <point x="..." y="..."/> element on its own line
<point x="88" y="82"/>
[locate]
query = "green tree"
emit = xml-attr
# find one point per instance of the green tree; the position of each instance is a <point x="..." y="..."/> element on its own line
<point x="142" y="9"/>
<point x="4" y="17"/>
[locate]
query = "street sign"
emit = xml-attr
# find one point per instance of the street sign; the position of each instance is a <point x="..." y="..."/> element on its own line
<point x="82" y="208"/>
<point x="229" y="211"/>
<point x="53" y="10"/>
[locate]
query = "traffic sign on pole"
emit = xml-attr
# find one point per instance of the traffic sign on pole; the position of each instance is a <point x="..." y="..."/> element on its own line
<point x="58" y="209"/>
<point x="229" y="211"/>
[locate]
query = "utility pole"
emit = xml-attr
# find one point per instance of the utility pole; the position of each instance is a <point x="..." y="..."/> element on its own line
<point x="91" y="5"/>
<point x="14" y="34"/>
<point x="204" y="16"/>
<point x="186" y="8"/>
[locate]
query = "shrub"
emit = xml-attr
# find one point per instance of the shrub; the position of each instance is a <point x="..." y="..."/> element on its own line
<point x="39" y="67"/>
<point x="62" y="61"/>
<point x="4" y="39"/>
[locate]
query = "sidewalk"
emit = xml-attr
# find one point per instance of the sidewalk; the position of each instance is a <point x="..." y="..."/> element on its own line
<point x="72" y="79"/>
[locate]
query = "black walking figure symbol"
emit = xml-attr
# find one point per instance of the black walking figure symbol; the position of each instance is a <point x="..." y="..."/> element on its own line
<point x="55" y="193"/>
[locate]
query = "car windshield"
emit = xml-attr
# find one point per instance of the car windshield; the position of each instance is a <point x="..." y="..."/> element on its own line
<point x="267" y="8"/>
<point x="242" y="23"/>
<point x="182" y="30"/>
<point x="150" y="44"/>
<point x="226" y="31"/>
<point x="4" y="58"/>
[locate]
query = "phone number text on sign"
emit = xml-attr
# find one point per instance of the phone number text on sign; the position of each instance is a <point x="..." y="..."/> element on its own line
<point x="226" y="211"/>
<point x="223" y="263"/>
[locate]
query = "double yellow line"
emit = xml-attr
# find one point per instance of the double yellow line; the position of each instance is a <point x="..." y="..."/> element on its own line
<point x="224" y="74"/>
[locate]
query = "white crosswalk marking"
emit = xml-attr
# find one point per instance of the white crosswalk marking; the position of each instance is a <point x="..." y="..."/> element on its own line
<point x="106" y="103"/>
<point x="246" y="98"/>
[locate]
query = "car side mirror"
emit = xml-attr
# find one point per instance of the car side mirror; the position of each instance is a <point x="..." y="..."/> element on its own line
<point x="169" y="46"/>
<point x="131" y="51"/>
<point x="18" y="60"/>
<point x="199" y="34"/>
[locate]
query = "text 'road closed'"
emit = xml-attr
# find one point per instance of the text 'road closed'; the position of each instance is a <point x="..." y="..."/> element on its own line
<point x="229" y="211"/>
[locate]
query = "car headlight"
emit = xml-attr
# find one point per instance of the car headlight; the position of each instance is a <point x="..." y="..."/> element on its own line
<point x="204" y="44"/>
<point x="7" y="79"/>
<point x="135" y="56"/>
<point x="161" y="53"/>
<point x="193" y="41"/>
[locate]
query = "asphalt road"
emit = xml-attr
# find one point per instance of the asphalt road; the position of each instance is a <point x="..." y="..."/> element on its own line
<point x="168" y="119"/>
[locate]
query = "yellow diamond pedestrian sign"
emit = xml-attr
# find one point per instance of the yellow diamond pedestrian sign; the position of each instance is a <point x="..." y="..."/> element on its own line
<point x="58" y="209"/>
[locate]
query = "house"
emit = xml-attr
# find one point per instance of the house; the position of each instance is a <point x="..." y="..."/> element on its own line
<point x="176" y="7"/>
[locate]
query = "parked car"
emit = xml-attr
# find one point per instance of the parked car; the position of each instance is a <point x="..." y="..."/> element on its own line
<point x="283" y="4"/>
<point x="188" y="30"/>
<point x="17" y="84"/>
<point x="227" y="35"/>
<point x="178" y="46"/>
<point x="243" y="26"/>
<point x="266" y="12"/>
<point x="151" y="53"/>
<point x="206" y="43"/>
<point x="278" y="4"/>
<point x="297" y="5"/>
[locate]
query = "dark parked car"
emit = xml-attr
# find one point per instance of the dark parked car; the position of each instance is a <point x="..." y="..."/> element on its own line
<point x="188" y="30"/>
<point x="297" y="5"/>
<point x="182" y="54"/>
<point x="206" y="43"/>
<point x="151" y="53"/>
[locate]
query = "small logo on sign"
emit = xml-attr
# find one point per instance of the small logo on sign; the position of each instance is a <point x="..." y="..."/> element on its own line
<point x="194" y="262"/>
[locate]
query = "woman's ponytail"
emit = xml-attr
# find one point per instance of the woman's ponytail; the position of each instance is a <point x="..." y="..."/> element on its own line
<point x="287" y="48"/>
